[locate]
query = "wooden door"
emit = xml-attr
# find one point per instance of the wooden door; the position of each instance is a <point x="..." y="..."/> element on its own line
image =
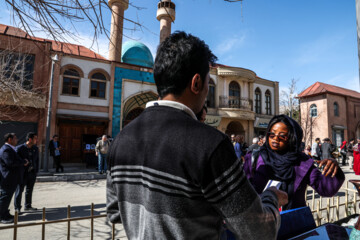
<point x="70" y="137"/>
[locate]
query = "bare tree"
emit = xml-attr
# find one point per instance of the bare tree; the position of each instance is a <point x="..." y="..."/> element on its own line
<point x="289" y="104"/>
<point x="54" y="17"/>
<point x="17" y="92"/>
<point x="308" y="122"/>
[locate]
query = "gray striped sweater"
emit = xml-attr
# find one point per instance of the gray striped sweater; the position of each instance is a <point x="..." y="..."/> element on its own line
<point x="172" y="177"/>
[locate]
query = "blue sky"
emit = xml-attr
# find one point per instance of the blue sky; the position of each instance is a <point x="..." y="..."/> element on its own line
<point x="279" y="40"/>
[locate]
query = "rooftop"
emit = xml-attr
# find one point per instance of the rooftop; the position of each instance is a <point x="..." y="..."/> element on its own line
<point x="321" y="88"/>
<point x="66" y="48"/>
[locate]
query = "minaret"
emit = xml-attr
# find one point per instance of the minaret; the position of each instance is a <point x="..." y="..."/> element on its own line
<point x="118" y="8"/>
<point x="165" y="14"/>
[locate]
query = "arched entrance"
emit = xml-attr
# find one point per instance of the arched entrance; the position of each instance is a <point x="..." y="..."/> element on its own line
<point x="135" y="105"/>
<point x="235" y="127"/>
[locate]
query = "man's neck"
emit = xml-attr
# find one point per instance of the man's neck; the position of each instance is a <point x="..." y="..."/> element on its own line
<point x="181" y="99"/>
<point x="29" y="144"/>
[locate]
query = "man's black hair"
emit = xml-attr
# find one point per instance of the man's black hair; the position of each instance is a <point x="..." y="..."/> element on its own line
<point x="30" y="135"/>
<point x="179" y="57"/>
<point x="55" y="136"/>
<point x="9" y="135"/>
<point x="317" y="139"/>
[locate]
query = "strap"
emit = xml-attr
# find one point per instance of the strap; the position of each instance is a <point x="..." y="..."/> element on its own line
<point x="254" y="158"/>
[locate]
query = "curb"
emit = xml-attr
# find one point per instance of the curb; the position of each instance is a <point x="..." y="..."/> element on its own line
<point x="67" y="178"/>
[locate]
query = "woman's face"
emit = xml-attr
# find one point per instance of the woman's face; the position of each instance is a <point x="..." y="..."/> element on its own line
<point x="278" y="137"/>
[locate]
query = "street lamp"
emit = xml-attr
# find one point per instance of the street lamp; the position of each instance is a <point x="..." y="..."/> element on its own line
<point x="54" y="59"/>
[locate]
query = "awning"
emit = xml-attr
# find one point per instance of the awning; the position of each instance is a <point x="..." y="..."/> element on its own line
<point x="340" y="127"/>
<point x="261" y="122"/>
<point x="212" y="120"/>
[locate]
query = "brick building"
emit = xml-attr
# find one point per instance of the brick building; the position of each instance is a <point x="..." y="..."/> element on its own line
<point x="329" y="111"/>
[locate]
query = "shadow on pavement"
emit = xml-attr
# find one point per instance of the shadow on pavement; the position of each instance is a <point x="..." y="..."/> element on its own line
<point x="61" y="213"/>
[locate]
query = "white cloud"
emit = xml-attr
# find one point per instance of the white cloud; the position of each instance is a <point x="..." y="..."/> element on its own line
<point x="229" y="44"/>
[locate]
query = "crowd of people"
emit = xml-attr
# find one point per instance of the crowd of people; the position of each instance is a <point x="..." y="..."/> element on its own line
<point x="348" y="152"/>
<point x="19" y="165"/>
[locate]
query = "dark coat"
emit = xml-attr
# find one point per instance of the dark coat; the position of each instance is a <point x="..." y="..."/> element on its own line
<point x="326" y="150"/>
<point x="11" y="168"/>
<point x="253" y="147"/>
<point x="31" y="154"/>
<point x="52" y="148"/>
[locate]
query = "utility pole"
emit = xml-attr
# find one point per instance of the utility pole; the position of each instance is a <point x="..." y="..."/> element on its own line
<point x="358" y="31"/>
<point x="54" y="59"/>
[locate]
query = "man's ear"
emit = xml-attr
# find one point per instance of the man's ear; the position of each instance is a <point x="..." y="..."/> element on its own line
<point x="196" y="84"/>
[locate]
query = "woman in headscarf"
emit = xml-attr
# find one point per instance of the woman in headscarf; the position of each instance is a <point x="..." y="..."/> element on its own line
<point x="281" y="159"/>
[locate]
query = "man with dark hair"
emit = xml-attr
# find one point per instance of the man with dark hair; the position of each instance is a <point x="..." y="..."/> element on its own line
<point x="327" y="148"/>
<point x="185" y="180"/>
<point x="11" y="174"/>
<point x="30" y="152"/>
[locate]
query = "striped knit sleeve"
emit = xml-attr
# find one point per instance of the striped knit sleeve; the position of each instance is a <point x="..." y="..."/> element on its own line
<point x="225" y="186"/>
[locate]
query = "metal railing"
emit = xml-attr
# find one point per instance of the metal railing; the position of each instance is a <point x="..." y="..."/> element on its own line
<point x="334" y="209"/>
<point x="322" y="213"/>
<point x="67" y="220"/>
<point x="235" y="102"/>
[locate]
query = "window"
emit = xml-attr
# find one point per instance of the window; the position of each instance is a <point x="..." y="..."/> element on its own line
<point x="257" y="101"/>
<point x="18" y="67"/>
<point x="268" y="102"/>
<point x="234" y="95"/>
<point x="71" y="79"/>
<point x="211" y="95"/>
<point x="336" y="109"/>
<point x="98" y="85"/>
<point x="313" y="110"/>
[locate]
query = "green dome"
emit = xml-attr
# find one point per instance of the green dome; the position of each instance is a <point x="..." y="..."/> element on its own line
<point x="137" y="53"/>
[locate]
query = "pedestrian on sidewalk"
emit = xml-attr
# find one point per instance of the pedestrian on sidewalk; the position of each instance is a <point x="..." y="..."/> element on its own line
<point x="343" y="152"/>
<point x="327" y="148"/>
<point x="55" y="147"/>
<point x="356" y="150"/>
<point x="350" y="153"/>
<point x="315" y="149"/>
<point x="11" y="174"/>
<point x="181" y="179"/>
<point x="30" y="152"/>
<point x="101" y="151"/>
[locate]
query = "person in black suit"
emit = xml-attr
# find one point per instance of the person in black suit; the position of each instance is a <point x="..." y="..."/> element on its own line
<point x="30" y="152"/>
<point x="11" y="174"/>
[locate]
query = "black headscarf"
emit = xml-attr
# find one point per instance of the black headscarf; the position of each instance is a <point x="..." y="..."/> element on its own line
<point x="281" y="166"/>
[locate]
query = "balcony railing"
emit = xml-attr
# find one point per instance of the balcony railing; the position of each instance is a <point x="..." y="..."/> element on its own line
<point x="235" y="102"/>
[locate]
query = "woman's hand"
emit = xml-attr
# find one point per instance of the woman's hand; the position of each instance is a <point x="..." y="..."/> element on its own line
<point x="331" y="166"/>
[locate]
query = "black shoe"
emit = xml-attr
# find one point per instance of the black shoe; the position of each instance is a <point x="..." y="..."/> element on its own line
<point x="30" y="209"/>
<point x="62" y="169"/>
<point x="100" y="172"/>
<point x="7" y="220"/>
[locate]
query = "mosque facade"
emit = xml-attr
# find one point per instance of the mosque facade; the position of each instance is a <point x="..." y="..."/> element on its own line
<point x="93" y="95"/>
